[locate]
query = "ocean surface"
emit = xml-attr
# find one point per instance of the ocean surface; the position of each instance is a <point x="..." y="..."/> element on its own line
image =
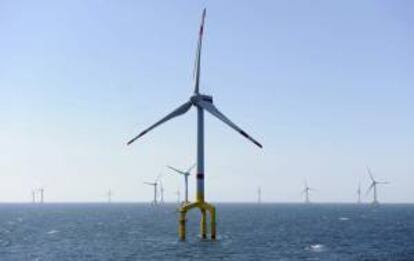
<point x="245" y="232"/>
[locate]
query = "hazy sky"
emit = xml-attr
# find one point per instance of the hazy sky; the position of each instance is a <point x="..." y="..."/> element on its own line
<point x="326" y="86"/>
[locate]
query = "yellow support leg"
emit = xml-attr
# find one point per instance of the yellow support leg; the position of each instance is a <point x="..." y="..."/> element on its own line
<point x="213" y="222"/>
<point x="204" y="207"/>
<point x="181" y="229"/>
<point x="203" y="224"/>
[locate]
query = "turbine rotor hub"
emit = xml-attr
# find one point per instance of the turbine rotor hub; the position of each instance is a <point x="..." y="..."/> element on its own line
<point x="201" y="97"/>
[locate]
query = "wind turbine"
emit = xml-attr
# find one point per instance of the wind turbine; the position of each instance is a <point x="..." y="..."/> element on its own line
<point x="359" y="193"/>
<point x="178" y="195"/>
<point x="202" y="103"/>
<point x="42" y="191"/>
<point x="259" y="195"/>
<point x="185" y="174"/>
<point x="373" y="186"/>
<point x="33" y="192"/>
<point x="109" y="194"/>
<point x="161" y="193"/>
<point x="306" y="192"/>
<point x="154" y="184"/>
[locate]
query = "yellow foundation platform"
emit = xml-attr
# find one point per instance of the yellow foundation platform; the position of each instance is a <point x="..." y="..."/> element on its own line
<point x="204" y="208"/>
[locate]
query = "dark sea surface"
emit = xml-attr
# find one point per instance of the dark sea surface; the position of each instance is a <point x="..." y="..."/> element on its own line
<point x="245" y="232"/>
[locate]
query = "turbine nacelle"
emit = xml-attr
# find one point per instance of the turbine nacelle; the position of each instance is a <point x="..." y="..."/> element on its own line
<point x="196" y="98"/>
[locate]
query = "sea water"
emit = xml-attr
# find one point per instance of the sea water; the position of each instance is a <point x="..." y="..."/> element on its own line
<point x="245" y="232"/>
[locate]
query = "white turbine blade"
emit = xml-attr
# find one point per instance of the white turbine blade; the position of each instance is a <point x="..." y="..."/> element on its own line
<point x="191" y="168"/>
<point x="214" y="111"/>
<point x="177" y="112"/>
<point x="149" y="183"/>
<point x="176" y="170"/>
<point x="196" y="71"/>
<point x="158" y="177"/>
<point x="383" y="182"/>
<point x="370" y="188"/>
<point x="370" y="174"/>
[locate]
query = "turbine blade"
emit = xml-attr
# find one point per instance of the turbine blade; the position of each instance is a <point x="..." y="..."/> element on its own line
<point x="215" y="112"/>
<point x="176" y="170"/>
<point x="370" y="188"/>
<point x="191" y="168"/>
<point x="158" y="177"/>
<point x="383" y="182"/>
<point x="177" y="112"/>
<point x="149" y="183"/>
<point x="370" y="174"/>
<point x="196" y="71"/>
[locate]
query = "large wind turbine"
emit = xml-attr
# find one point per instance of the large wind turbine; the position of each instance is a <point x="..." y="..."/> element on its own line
<point x="202" y="103"/>
<point x="185" y="174"/>
<point x="373" y="186"/>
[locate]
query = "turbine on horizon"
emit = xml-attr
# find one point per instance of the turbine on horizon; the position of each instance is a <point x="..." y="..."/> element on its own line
<point x="373" y="186"/>
<point x="306" y="191"/>
<point x="259" y="195"/>
<point x="42" y="192"/>
<point x="154" y="184"/>
<point x="109" y="194"/>
<point x="178" y="194"/>
<point x="161" y="193"/>
<point x="202" y="103"/>
<point x="33" y="193"/>
<point x="186" y="174"/>
<point x="359" y="193"/>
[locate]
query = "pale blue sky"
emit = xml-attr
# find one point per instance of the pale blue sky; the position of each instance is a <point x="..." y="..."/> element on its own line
<point x="325" y="86"/>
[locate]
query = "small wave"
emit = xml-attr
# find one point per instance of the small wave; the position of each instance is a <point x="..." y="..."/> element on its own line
<point x="343" y="218"/>
<point x="51" y="232"/>
<point x="5" y="242"/>
<point x="316" y="248"/>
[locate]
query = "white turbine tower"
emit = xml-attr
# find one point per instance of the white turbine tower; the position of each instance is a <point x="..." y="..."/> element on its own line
<point x="177" y="193"/>
<point x="185" y="174"/>
<point x="42" y="192"/>
<point x="359" y="193"/>
<point x="202" y="103"/>
<point x="109" y="194"/>
<point x="373" y="186"/>
<point x="161" y="193"/>
<point x="33" y="193"/>
<point x="259" y="195"/>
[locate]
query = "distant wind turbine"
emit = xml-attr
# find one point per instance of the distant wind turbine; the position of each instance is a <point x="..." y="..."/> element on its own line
<point x="161" y="193"/>
<point x="154" y="184"/>
<point x="259" y="195"/>
<point x="177" y="193"/>
<point x="42" y="192"/>
<point x="359" y="193"/>
<point x="185" y="175"/>
<point x="109" y="195"/>
<point x="373" y="186"/>
<point x="306" y="191"/>
<point x="33" y="193"/>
